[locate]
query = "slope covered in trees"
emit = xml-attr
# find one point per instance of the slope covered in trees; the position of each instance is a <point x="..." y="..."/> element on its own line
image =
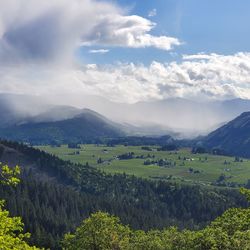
<point x="54" y="196"/>
<point x="88" y="126"/>
<point x="231" y="231"/>
<point x="232" y="138"/>
<point x="11" y="228"/>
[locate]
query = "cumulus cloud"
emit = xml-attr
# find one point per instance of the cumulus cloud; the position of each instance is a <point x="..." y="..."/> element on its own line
<point x="38" y="37"/>
<point x="47" y="30"/>
<point x="128" y="31"/>
<point x="38" y="40"/>
<point x="210" y="77"/>
<point x="152" y="13"/>
<point x="53" y="29"/>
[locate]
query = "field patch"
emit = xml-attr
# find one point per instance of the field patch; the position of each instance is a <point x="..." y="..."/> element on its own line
<point x="147" y="162"/>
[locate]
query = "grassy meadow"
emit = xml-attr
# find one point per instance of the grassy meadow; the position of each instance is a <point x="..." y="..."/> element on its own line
<point x="181" y="165"/>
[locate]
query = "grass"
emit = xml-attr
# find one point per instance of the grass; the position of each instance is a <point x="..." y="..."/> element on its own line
<point x="194" y="168"/>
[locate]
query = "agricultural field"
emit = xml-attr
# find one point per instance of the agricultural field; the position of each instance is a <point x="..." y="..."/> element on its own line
<point x="147" y="162"/>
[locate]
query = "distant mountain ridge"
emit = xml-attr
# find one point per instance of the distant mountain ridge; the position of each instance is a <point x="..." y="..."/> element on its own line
<point x="33" y="120"/>
<point x="178" y="117"/>
<point x="21" y="109"/>
<point x="84" y="127"/>
<point x="233" y="138"/>
<point x="189" y="118"/>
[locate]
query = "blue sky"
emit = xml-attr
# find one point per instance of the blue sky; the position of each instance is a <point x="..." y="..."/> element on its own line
<point x="125" y="54"/>
<point x="211" y="26"/>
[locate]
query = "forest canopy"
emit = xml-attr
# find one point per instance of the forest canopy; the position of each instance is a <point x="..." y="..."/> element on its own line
<point x="105" y="232"/>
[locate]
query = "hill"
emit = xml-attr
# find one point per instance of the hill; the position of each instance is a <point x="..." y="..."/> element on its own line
<point x="232" y="138"/>
<point x="55" y="195"/>
<point x="179" y="115"/>
<point x="84" y="127"/>
<point x="175" y="116"/>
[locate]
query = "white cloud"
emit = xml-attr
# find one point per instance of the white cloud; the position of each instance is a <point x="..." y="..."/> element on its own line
<point x="37" y="39"/>
<point x="127" y="31"/>
<point x="199" y="56"/>
<point x="215" y="77"/>
<point x="152" y="13"/>
<point x="48" y="30"/>
<point x="52" y="29"/>
<point x="98" y="51"/>
<point x="210" y="76"/>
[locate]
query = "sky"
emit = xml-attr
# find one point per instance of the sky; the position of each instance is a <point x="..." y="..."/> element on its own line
<point x="124" y="50"/>
<point x="202" y="26"/>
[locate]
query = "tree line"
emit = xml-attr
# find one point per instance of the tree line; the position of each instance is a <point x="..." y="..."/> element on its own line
<point x="55" y="195"/>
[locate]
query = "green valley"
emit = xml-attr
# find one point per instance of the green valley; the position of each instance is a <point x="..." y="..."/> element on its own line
<point x="57" y="195"/>
<point x="146" y="161"/>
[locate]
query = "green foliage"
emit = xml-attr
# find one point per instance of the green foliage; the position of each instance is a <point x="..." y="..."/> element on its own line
<point x="11" y="232"/>
<point x="100" y="231"/>
<point x="231" y="231"/>
<point x="11" y="228"/>
<point x="9" y="176"/>
<point x="55" y="195"/>
<point x="246" y="192"/>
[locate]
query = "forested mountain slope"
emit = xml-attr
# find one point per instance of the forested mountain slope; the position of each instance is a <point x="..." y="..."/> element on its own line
<point x="232" y="138"/>
<point x="54" y="196"/>
<point x="87" y="126"/>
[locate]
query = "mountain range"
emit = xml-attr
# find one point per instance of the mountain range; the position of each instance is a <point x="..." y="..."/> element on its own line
<point x="233" y="138"/>
<point x="186" y="118"/>
<point x="40" y="120"/>
<point x="177" y="116"/>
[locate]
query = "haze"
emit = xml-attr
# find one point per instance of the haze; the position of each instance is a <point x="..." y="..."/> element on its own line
<point x="146" y="64"/>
